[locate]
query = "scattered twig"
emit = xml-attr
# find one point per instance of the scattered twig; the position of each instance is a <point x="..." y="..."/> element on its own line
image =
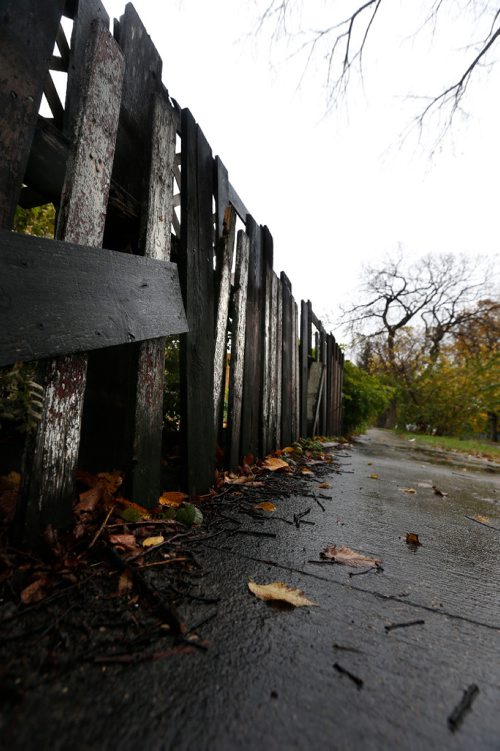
<point x="376" y="569"/>
<point x="320" y="504"/>
<point x="344" y="671"/>
<point x="392" y="626"/>
<point x="343" y="648"/>
<point x="101" y="528"/>
<point x="164" y="563"/>
<point x="456" y="717"/>
<point x="484" y="524"/>
<point x="254" y="532"/>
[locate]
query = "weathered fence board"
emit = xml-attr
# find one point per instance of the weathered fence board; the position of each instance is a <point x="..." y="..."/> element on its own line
<point x="59" y="298"/>
<point x="273" y="364"/>
<point x="27" y="35"/>
<point x="155" y="244"/>
<point x="239" y="304"/>
<point x="196" y="255"/>
<point x="268" y="353"/>
<point x="251" y="417"/>
<point x="51" y="457"/>
<point x="287" y="406"/>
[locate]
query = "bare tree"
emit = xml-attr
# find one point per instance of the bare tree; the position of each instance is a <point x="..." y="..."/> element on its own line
<point x="436" y="293"/>
<point x="343" y="42"/>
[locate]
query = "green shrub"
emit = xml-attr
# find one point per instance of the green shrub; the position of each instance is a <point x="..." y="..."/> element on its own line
<point x="365" y="397"/>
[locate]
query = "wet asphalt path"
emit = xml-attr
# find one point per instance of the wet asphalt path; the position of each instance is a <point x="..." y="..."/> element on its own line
<point x="268" y="679"/>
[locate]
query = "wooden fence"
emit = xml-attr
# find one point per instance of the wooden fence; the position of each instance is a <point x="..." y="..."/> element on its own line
<point x="96" y="320"/>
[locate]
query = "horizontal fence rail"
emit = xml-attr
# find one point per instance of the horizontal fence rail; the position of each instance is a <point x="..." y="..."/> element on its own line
<point x="151" y="240"/>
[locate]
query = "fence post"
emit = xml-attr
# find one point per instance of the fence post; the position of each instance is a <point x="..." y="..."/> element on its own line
<point x="150" y="373"/>
<point x="287" y="372"/>
<point x="27" y="35"/>
<point x="196" y="274"/>
<point x="269" y="343"/>
<point x="51" y="454"/>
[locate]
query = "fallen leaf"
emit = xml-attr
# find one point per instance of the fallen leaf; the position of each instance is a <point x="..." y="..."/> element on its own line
<point x="410" y="491"/>
<point x="249" y="459"/>
<point x="482" y="519"/>
<point x="125" y="583"/>
<point x="123" y="541"/>
<point x="373" y="476"/>
<point x="288" y="450"/>
<point x="109" y="482"/>
<point x="265" y="506"/>
<point x="306" y="471"/>
<point x="231" y="479"/>
<point x="349" y="557"/>
<point x="273" y="464"/>
<point x="324" y="485"/>
<point x="88" y="500"/>
<point x="438" y="492"/>
<point x="12" y="481"/>
<point x="188" y="514"/>
<point x="412" y="539"/>
<point x="172" y="498"/>
<point x="34" y="592"/>
<point x="150" y="541"/>
<point x="279" y="592"/>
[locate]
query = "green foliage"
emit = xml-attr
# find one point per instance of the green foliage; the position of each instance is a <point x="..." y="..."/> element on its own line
<point x="171" y="391"/>
<point x="21" y="398"/>
<point x="365" y="398"/>
<point x="39" y="221"/>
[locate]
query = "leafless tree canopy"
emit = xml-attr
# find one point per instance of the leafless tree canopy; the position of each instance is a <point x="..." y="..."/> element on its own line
<point x="436" y="294"/>
<point x="351" y="29"/>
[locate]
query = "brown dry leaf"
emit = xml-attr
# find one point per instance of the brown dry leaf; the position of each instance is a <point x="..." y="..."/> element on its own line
<point x="125" y="583"/>
<point x="109" y="482"/>
<point x="124" y="541"/>
<point x="438" y="492"/>
<point x="274" y="464"/>
<point x="34" y="592"/>
<point x="148" y="542"/>
<point x="288" y="450"/>
<point x="324" y="485"/>
<point x="88" y="500"/>
<point x="412" y="538"/>
<point x="12" y="481"/>
<point x="249" y="459"/>
<point x="409" y="491"/>
<point x="172" y="498"/>
<point x="349" y="557"/>
<point x="279" y="592"/>
<point x="232" y="479"/>
<point x="373" y="476"/>
<point x="265" y="506"/>
<point x="306" y="471"/>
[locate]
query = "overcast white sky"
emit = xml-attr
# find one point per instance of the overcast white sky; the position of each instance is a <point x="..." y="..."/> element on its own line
<point x="339" y="190"/>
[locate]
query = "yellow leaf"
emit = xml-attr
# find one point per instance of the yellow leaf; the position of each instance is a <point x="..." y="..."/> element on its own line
<point x="273" y="464"/>
<point x="279" y="592"/>
<point x="266" y="506"/>
<point x="482" y="519"/>
<point x="172" y="498"/>
<point x="373" y="476"/>
<point x="349" y="557"/>
<point x="409" y="491"/>
<point x="325" y="485"/>
<point x="150" y="541"/>
<point x="288" y="450"/>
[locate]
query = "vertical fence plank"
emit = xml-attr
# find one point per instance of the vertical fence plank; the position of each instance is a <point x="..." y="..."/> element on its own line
<point x="268" y="354"/>
<point x="329" y="381"/>
<point x="275" y="373"/>
<point x="304" y="365"/>
<point x="287" y="366"/>
<point x="27" y="35"/>
<point x="296" y="375"/>
<point x="341" y="385"/>
<point x="148" y="419"/>
<point x="51" y="454"/>
<point x="225" y="248"/>
<point x="251" y="416"/>
<point x="196" y="276"/>
<point x="85" y="14"/>
<point x="324" y="397"/>
<point x="237" y="349"/>
<point x="279" y="359"/>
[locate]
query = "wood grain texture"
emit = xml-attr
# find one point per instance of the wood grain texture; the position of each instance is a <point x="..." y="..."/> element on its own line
<point x="287" y="372"/>
<point x="157" y="220"/>
<point x="251" y="417"/>
<point x="279" y="361"/>
<point x="268" y="353"/>
<point x="239" y="304"/>
<point x="274" y="367"/>
<point x="196" y="254"/>
<point x="303" y="366"/>
<point x="58" y="298"/>
<point x="51" y="458"/>
<point x="296" y="375"/>
<point x="27" y="35"/>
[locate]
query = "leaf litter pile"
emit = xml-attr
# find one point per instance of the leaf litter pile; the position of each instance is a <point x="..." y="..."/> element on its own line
<point x="125" y="584"/>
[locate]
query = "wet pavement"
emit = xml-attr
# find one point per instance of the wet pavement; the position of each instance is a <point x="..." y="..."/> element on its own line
<point x="325" y="677"/>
